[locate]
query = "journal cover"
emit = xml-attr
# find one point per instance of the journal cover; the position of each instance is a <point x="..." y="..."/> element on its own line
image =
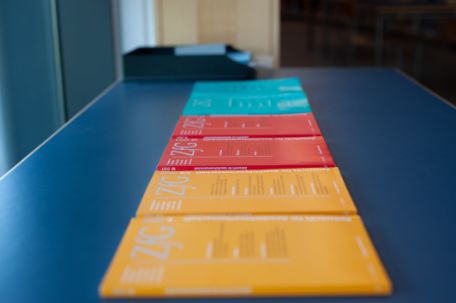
<point x="221" y="256"/>
<point x="230" y="153"/>
<point x="250" y="87"/>
<point x="248" y="104"/>
<point x="284" y="191"/>
<point x="299" y="125"/>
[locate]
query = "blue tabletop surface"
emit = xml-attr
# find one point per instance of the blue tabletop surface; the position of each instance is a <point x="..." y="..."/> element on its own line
<point x="64" y="209"/>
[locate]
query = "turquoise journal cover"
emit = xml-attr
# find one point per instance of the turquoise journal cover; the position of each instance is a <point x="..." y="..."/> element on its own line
<point x="256" y="97"/>
<point x="272" y="86"/>
<point x="285" y="103"/>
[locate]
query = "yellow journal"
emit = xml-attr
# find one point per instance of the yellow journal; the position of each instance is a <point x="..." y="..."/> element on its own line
<point x="284" y="191"/>
<point x="245" y="256"/>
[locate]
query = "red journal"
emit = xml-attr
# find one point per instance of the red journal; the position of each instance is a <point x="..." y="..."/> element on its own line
<point x="215" y="153"/>
<point x="299" y="125"/>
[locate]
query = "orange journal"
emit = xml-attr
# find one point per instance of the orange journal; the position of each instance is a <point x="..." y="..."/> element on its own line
<point x="245" y="256"/>
<point x="284" y="191"/>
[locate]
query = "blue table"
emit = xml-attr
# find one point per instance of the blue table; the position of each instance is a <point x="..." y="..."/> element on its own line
<point x="64" y="209"/>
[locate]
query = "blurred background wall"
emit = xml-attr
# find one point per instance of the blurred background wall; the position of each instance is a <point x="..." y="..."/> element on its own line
<point x="252" y="25"/>
<point x="136" y="24"/>
<point x="88" y="50"/>
<point x="31" y="95"/>
<point x="58" y="55"/>
<point x="3" y="123"/>
<point x="55" y="57"/>
<point x="415" y="36"/>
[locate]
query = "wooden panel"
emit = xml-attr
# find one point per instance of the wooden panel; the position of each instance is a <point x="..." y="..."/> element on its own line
<point x="177" y="22"/>
<point x="217" y="21"/>
<point x="248" y="24"/>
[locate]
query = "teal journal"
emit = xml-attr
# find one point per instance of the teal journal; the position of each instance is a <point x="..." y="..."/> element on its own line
<point x="258" y="97"/>
<point x="255" y="87"/>
<point x="206" y="105"/>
